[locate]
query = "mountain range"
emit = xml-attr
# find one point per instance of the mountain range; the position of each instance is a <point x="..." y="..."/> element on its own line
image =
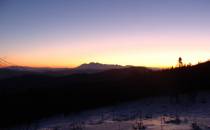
<point x="91" y="67"/>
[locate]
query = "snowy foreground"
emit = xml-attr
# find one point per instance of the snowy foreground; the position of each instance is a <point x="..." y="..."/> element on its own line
<point x="148" y="114"/>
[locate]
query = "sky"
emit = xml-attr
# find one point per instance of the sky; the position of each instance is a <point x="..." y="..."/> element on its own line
<point x="67" y="33"/>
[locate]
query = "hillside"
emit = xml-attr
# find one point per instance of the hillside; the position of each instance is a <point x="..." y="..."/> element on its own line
<point x="39" y="96"/>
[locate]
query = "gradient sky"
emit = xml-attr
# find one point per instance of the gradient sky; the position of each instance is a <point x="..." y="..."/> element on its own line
<point x="66" y="33"/>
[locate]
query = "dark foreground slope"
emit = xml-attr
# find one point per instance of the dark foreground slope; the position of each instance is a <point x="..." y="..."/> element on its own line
<point x="30" y="97"/>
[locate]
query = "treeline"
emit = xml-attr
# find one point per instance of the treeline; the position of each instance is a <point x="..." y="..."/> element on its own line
<point x="30" y="97"/>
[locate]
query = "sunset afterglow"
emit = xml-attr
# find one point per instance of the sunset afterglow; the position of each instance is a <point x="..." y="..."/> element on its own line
<point x="68" y="33"/>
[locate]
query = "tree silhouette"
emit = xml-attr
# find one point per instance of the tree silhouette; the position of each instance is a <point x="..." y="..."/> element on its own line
<point x="180" y="63"/>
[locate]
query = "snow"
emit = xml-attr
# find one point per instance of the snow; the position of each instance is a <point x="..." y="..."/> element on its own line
<point x="155" y="114"/>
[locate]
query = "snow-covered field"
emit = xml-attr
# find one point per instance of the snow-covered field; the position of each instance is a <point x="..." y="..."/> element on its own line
<point x="149" y="114"/>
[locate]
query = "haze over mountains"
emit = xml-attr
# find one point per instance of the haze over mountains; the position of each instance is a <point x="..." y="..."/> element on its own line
<point x="99" y="66"/>
<point x="85" y="66"/>
<point x="91" y="67"/>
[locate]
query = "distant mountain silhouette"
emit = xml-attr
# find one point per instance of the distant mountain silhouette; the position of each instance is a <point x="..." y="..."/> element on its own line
<point x="99" y="66"/>
<point x="92" y="67"/>
<point x="35" y="69"/>
<point x="15" y="71"/>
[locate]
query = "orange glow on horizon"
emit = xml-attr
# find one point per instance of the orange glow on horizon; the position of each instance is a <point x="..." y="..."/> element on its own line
<point x="147" y="50"/>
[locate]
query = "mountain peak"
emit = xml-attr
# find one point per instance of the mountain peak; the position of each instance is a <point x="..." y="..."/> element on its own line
<point x="99" y="66"/>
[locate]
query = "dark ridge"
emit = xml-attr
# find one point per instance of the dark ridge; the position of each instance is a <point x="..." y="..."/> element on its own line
<point x="30" y="97"/>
